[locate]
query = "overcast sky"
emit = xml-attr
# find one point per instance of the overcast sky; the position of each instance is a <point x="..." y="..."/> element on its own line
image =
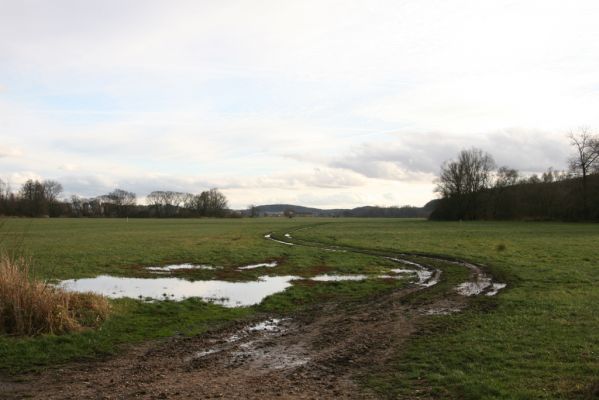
<point x="319" y="103"/>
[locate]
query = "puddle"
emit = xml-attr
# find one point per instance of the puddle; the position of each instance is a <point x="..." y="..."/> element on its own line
<point x="474" y="288"/>
<point x="426" y="277"/>
<point x="177" y="267"/>
<point x="403" y="271"/>
<point x="270" y="325"/>
<point x="228" y="294"/>
<point x="337" y="278"/>
<point x="265" y="265"/>
<point x="495" y="289"/>
<point x="269" y="237"/>
<point x="252" y="347"/>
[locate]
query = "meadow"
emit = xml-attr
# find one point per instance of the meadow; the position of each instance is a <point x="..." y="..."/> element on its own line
<point x="536" y="339"/>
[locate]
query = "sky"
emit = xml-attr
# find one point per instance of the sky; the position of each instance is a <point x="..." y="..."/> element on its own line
<point x="319" y="103"/>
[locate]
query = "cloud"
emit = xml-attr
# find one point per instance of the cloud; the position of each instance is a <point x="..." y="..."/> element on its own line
<point x="418" y="156"/>
<point x="312" y="101"/>
<point x="7" y="151"/>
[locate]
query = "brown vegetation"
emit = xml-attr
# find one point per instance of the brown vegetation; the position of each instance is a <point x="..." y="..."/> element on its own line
<point x="32" y="307"/>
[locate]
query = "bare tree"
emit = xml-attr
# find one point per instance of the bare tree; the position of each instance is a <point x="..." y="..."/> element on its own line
<point x="585" y="158"/>
<point x="506" y="177"/>
<point x="121" y="197"/>
<point x="52" y="190"/>
<point x="470" y="173"/>
<point x="461" y="180"/>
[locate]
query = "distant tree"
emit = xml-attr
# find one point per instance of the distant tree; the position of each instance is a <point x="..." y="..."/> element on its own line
<point x="52" y="190"/>
<point x="121" y="197"/>
<point x="534" y="178"/>
<point x="209" y="203"/>
<point x="118" y="202"/>
<point x="470" y="173"/>
<point x="166" y="203"/>
<point x="252" y="211"/>
<point x="33" y="199"/>
<point x="215" y="203"/>
<point x="506" y="177"/>
<point x="585" y="158"/>
<point x="461" y="180"/>
<point x="289" y="213"/>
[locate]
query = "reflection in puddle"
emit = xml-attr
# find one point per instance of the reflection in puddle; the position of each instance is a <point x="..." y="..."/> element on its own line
<point x="336" y="278"/>
<point x="495" y="289"/>
<point x="228" y="294"/>
<point x="177" y="267"/>
<point x="425" y="275"/>
<point x="266" y="265"/>
<point x="269" y="237"/>
<point x="474" y="288"/>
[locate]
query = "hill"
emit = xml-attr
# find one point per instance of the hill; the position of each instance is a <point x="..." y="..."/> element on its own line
<point x="365" y="211"/>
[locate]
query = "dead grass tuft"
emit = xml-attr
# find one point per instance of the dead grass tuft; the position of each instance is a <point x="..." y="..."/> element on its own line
<point x="32" y="307"/>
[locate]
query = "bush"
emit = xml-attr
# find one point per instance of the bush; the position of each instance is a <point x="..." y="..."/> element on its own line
<point x="32" y="307"/>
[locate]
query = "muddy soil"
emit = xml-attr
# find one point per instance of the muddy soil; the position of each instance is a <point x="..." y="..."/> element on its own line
<point x="319" y="354"/>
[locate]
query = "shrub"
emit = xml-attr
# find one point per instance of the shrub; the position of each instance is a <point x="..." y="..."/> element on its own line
<point x="32" y="307"/>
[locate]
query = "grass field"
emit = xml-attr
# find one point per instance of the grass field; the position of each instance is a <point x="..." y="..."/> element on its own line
<point x="537" y="339"/>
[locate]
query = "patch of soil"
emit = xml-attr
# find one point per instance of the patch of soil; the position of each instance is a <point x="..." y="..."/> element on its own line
<point x="313" y="355"/>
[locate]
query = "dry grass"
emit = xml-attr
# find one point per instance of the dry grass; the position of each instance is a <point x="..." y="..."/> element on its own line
<point x="32" y="307"/>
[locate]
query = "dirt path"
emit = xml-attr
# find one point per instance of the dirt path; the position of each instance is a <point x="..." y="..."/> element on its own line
<point x="310" y="356"/>
<point x="319" y="354"/>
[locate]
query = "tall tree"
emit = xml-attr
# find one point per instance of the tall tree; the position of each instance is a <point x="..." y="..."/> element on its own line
<point x="460" y="180"/>
<point x="585" y="158"/>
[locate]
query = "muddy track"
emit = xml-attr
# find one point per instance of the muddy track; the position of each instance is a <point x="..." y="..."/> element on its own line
<point x="317" y="354"/>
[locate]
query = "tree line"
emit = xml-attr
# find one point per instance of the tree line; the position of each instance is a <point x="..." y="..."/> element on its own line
<point x="472" y="187"/>
<point x="41" y="199"/>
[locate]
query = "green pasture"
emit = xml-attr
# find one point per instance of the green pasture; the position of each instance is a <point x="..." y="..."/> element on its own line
<point x="539" y="338"/>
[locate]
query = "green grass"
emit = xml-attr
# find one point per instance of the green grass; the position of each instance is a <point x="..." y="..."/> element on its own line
<point x="537" y="339"/>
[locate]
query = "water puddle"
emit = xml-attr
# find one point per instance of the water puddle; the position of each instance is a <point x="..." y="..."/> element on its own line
<point x="495" y="289"/>
<point x="474" y="288"/>
<point x="260" y="265"/>
<point x="228" y="294"/>
<point x="177" y="267"/>
<point x="269" y="325"/>
<point x="426" y="277"/>
<point x="253" y="347"/>
<point x="338" y="278"/>
<point x="269" y="237"/>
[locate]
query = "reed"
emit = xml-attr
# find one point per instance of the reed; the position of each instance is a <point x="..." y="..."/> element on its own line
<point x="32" y="307"/>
